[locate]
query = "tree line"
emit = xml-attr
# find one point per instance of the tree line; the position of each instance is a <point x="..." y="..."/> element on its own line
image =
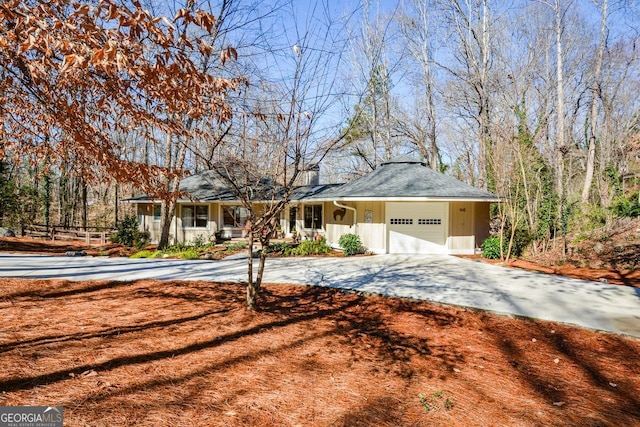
<point x="533" y="100"/>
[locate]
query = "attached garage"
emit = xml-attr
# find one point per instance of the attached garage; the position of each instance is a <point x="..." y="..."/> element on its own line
<point x="417" y="227"/>
<point x="411" y="209"/>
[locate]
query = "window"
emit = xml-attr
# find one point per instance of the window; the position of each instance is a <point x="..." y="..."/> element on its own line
<point x="234" y="216"/>
<point x="313" y="216"/>
<point x="401" y="221"/>
<point x="429" y="221"/>
<point x="195" y="216"/>
<point x="157" y="209"/>
<point x="293" y="216"/>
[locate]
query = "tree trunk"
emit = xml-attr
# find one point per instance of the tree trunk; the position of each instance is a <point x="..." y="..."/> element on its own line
<point x="73" y="195"/>
<point x="261" y="264"/>
<point x="560" y="142"/>
<point x="168" y="208"/>
<point x="253" y="287"/>
<point x="167" y="212"/>
<point x="47" y="199"/>
<point x="115" y="210"/>
<point x="595" y="95"/>
<point x="63" y="216"/>
<point x="433" y="143"/>
<point x="84" y="204"/>
<point x="434" y="152"/>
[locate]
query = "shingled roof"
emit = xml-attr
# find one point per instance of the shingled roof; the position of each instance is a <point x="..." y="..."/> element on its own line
<point x="400" y="179"/>
<point x="207" y="186"/>
<point x="203" y="187"/>
<point x="405" y="178"/>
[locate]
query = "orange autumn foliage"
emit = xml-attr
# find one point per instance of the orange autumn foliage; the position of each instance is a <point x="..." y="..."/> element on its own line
<point x="73" y="75"/>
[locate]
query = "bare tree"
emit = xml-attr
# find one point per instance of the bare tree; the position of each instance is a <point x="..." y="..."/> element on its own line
<point x="372" y="138"/>
<point x="210" y="55"/>
<point x="285" y="123"/>
<point x="595" y="100"/>
<point x="417" y="25"/>
<point x="470" y="26"/>
<point x="560" y="10"/>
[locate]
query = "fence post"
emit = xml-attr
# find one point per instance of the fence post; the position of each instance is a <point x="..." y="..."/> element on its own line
<point x="53" y="233"/>
<point x="87" y="237"/>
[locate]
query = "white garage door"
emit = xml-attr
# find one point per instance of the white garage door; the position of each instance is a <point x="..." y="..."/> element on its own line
<point x="417" y="227"/>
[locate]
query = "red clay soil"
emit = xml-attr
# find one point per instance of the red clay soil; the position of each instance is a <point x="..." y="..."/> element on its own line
<point x="188" y="354"/>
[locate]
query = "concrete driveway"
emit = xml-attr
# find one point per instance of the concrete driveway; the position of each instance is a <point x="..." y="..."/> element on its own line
<point x="443" y="279"/>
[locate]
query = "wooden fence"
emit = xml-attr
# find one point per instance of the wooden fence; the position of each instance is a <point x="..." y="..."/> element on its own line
<point x="89" y="235"/>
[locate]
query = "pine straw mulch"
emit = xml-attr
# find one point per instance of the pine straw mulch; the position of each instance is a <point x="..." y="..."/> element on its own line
<point x="60" y="247"/>
<point x="612" y="276"/>
<point x="606" y="275"/>
<point x="187" y="354"/>
<point x="610" y="254"/>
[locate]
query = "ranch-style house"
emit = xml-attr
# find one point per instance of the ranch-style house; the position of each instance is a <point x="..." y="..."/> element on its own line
<point x="402" y="207"/>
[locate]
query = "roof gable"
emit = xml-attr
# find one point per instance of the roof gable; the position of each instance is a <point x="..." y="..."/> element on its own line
<point x="406" y="177"/>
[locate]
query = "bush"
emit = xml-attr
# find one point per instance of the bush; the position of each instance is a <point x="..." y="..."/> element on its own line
<point x="586" y="220"/>
<point x="283" y="248"/>
<point x="203" y="242"/>
<point x="627" y="206"/>
<point x="232" y="247"/>
<point x="351" y="244"/>
<point x="199" y="241"/>
<point x="189" y="254"/>
<point x="129" y="233"/>
<point x="146" y="254"/>
<point x="521" y="239"/>
<point x="312" y="247"/>
<point x="491" y="247"/>
<point x="177" y="248"/>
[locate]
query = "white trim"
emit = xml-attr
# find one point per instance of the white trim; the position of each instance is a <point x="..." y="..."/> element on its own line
<point x="404" y="199"/>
